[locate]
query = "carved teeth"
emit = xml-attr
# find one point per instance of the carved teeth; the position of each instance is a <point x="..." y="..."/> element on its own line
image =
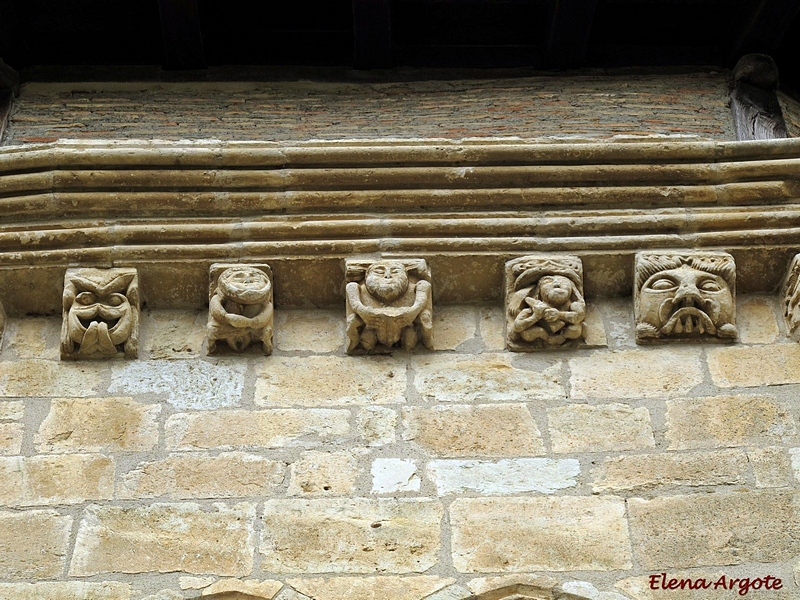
<point x="678" y="326"/>
<point x="700" y="327"/>
<point x="687" y="324"/>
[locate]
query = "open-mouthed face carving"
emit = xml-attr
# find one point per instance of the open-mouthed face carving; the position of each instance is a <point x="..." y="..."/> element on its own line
<point x="686" y="302"/>
<point x="245" y="285"/>
<point x="387" y="280"/>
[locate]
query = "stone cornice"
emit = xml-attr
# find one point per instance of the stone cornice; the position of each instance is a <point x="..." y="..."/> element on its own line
<point x="171" y="209"/>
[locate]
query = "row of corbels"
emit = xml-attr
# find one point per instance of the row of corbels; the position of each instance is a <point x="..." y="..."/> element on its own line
<point x="678" y="295"/>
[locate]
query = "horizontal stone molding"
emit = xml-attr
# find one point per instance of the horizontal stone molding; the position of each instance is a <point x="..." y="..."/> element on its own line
<point x="465" y="207"/>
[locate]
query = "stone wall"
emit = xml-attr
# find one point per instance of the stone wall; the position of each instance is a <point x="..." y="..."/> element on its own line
<point x="437" y="475"/>
<point x="596" y="106"/>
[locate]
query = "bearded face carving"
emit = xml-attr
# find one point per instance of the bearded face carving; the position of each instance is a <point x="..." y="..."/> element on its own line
<point x="388" y="303"/>
<point x="240" y="311"/>
<point x="687" y="296"/>
<point x="545" y="307"/>
<point x="100" y="313"/>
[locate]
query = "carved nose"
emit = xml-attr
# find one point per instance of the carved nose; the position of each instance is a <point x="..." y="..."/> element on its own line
<point x="687" y="295"/>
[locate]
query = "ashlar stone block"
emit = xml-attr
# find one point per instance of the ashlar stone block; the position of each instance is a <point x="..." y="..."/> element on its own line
<point x="684" y="296"/>
<point x="544" y="302"/>
<point x="388" y="304"/>
<point x="240" y="309"/>
<point x="351" y="535"/>
<point x="164" y="538"/>
<point x="567" y="533"/>
<point x="100" y="313"/>
<point x="33" y="544"/>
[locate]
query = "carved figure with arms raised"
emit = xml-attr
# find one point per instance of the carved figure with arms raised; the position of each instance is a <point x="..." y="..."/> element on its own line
<point x="388" y="303"/>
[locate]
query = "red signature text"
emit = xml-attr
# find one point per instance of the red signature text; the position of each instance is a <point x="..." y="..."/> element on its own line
<point x="659" y="581"/>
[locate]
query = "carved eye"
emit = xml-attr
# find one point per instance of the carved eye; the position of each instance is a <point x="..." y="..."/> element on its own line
<point x="662" y="285"/>
<point x="710" y="285"/>
<point x="115" y="300"/>
<point x="85" y="298"/>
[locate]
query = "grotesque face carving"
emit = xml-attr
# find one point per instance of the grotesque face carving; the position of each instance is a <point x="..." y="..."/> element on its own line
<point x="387" y="280"/>
<point x="685" y="296"/>
<point x="544" y="302"/>
<point x="388" y="303"/>
<point x="240" y="307"/>
<point x="101" y="313"/>
<point x="245" y="285"/>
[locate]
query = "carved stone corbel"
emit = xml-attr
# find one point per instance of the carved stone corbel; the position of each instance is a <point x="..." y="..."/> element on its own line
<point x="790" y="294"/>
<point x="100" y="313"/>
<point x="240" y="307"/>
<point x="756" y="111"/>
<point x="684" y="296"/>
<point x="388" y="304"/>
<point x="2" y="324"/>
<point x="544" y="302"/>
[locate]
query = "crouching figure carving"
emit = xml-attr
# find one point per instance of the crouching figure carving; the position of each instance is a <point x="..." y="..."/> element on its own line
<point x="240" y="309"/>
<point x="388" y="303"/>
<point x="545" y="307"/>
<point x="684" y="296"/>
<point x="100" y="313"/>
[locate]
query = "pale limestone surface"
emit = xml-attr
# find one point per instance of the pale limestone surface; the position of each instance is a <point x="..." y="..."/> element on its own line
<point x="648" y="471"/>
<point x="60" y="479"/>
<point x="508" y="476"/>
<point x="721" y="421"/>
<point x="199" y="385"/>
<point x="66" y="590"/>
<point x="651" y="373"/>
<point x="715" y="529"/>
<point x="33" y="378"/>
<point x="202" y="475"/>
<point x="370" y="588"/>
<point x="392" y="475"/>
<point x="755" y="320"/>
<point x="772" y="466"/>
<point x="95" y="424"/>
<point x="482" y="585"/>
<point x="170" y="334"/>
<point x="309" y="331"/>
<point x="473" y="430"/>
<point x="753" y="366"/>
<point x="324" y="474"/>
<point x="453" y="325"/>
<point x="350" y="535"/>
<point x="539" y="534"/>
<point x="329" y="381"/>
<point x="483" y="378"/>
<point x="587" y="428"/>
<point x="491" y="326"/>
<point x="255" y="429"/>
<point x="11" y="410"/>
<point x="794" y="454"/>
<point x="164" y="538"/>
<point x="377" y="425"/>
<point x="11" y="438"/>
<point x="33" y="337"/>
<point x="46" y="538"/>
<point x="266" y="588"/>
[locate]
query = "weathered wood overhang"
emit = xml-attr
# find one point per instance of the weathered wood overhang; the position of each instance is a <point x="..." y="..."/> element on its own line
<point x="172" y="209"/>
